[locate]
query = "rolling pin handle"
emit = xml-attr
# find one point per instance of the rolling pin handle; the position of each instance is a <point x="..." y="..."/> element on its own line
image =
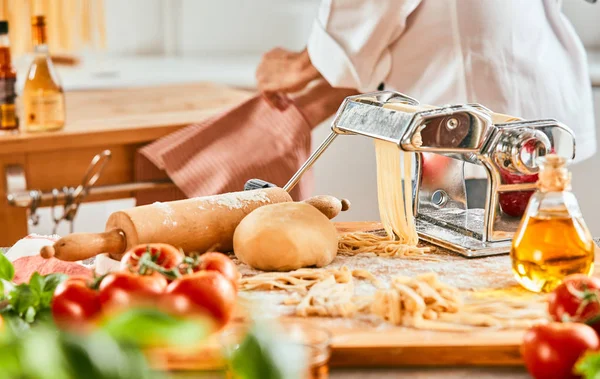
<point x="47" y="252"/>
<point x="254" y="184"/>
<point x="82" y="246"/>
<point x="345" y="205"/>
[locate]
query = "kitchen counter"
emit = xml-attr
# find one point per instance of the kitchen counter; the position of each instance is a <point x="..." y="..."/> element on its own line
<point x="120" y="120"/>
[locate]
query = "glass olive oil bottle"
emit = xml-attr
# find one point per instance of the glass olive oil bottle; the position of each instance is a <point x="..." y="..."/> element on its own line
<point x="43" y="96"/>
<point x="552" y="241"/>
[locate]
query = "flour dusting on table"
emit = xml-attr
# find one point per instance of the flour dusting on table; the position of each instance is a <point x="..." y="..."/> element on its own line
<point x="489" y="274"/>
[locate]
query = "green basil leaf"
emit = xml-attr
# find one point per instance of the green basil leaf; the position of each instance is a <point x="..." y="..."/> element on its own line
<point x="51" y="281"/>
<point x="15" y="323"/>
<point x="100" y="357"/>
<point x="262" y="354"/>
<point x="588" y="366"/>
<point x="44" y="316"/>
<point x="36" y="283"/>
<point x="9" y="359"/>
<point x="249" y="361"/>
<point x="7" y="270"/>
<point x="42" y="346"/>
<point x="7" y="287"/>
<point x="29" y="315"/>
<point x="144" y="327"/>
<point x="22" y="297"/>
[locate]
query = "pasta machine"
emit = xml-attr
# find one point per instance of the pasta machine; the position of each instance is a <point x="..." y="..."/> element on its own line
<point x="457" y="135"/>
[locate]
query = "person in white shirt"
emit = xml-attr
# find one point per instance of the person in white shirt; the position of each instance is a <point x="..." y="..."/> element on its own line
<point x="517" y="57"/>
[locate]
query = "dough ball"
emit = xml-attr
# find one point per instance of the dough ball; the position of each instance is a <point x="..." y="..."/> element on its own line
<point x="285" y="237"/>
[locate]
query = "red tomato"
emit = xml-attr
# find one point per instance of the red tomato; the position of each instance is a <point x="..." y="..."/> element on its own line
<point x="220" y="263"/>
<point x="166" y="256"/>
<point x="576" y="299"/>
<point x="431" y="162"/>
<point x="124" y="289"/>
<point x="75" y="305"/>
<point x="202" y="293"/>
<point x="515" y="203"/>
<point x="551" y="350"/>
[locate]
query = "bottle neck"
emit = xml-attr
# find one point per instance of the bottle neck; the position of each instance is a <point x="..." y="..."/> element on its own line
<point x="4" y="41"/>
<point x="5" y="59"/>
<point x="41" y="49"/>
<point x="39" y="38"/>
<point x="554" y="179"/>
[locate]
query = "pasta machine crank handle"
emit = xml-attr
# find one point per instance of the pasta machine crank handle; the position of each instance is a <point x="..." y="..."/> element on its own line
<point x="257" y="183"/>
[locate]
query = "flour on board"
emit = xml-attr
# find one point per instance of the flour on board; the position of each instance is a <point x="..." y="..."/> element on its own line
<point x="236" y="200"/>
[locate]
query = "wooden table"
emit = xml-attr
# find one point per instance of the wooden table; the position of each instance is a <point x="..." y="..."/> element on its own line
<point x="362" y="350"/>
<point x="120" y="120"/>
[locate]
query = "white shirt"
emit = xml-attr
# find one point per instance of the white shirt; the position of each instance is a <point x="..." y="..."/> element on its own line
<point x="517" y="57"/>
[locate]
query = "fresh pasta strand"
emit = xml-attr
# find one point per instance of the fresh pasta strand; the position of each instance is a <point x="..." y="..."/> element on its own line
<point x="395" y="198"/>
<point x="421" y="302"/>
<point x="413" y="237"/>
<point x="390" y="191"/>
<point x="383" y="246"/>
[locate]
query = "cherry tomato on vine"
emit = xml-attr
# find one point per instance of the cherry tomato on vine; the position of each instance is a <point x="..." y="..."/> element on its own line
<point x="205" y="293"/>
<point x="124" y="289"/>
<point x="220" y="263"/>
<point x="75" y="304"/>
<point x="576" y="299"/>
<point x="163" y="255"/>
<point x="551" y="350"/>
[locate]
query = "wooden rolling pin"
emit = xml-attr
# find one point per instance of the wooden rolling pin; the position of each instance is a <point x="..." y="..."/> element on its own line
<point x="194" y="225"/>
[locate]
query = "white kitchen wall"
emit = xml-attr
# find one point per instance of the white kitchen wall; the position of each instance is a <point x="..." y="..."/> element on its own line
<point x="212" y="29"/>
<point x="585" y="18"/>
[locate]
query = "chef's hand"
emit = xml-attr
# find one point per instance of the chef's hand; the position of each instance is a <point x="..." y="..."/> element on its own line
<point x="283" y="71"/>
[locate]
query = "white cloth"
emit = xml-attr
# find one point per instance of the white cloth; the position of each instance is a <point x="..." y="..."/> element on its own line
<point x="33" y="243"/>
<point x="517" y="57"/>
<point x="29" y="246"/>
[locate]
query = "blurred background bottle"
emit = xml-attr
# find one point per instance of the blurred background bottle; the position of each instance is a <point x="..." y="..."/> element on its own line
<point x="8" y="77"/>
<point x="43" y="96"/>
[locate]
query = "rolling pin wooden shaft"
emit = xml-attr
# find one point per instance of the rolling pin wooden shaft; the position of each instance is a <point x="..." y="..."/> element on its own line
<point x="194" y="225"/>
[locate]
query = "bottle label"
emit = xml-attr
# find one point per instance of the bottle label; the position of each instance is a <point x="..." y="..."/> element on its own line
<point x="7" y="90"/>
<point x="44" y="109"/>
<point x="8" y="117"/>
<point x="8" y="111"/>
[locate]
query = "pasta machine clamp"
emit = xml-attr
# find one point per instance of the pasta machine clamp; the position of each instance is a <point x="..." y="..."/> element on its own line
<point x="457" y="135"/>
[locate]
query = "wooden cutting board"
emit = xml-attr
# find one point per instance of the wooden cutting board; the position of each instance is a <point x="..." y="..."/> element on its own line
<point x="358" y="344"/>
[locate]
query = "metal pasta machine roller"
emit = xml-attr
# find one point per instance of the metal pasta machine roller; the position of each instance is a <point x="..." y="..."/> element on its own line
<point x="457" y="134"/>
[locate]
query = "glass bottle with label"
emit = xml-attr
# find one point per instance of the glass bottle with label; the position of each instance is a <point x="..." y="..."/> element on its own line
<point x="552" y="241"/>
<point x="8" y="77"/>
<point x="43" y="96"/>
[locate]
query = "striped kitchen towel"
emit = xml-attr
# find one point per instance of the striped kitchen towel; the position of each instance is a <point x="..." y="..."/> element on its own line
<point x="251" y="140"/>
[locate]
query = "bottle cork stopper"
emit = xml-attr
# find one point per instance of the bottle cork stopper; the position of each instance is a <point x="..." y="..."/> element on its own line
<point x="554" y="175"/>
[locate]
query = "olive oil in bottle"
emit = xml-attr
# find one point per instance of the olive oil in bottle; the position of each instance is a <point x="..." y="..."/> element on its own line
<point x="43" y="97"/>
<point x="552" y="241"/>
